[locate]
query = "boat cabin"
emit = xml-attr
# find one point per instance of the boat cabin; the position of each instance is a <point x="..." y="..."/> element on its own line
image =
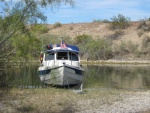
<point x="56" y="55"/>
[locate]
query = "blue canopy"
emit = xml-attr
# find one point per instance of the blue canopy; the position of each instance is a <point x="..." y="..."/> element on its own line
<point x="73" y="47"/>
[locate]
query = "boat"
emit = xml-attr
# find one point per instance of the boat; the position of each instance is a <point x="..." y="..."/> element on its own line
<point x="60" y="65"/>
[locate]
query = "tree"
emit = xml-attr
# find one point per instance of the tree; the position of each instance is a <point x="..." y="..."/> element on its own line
<point x="15" y="18"/>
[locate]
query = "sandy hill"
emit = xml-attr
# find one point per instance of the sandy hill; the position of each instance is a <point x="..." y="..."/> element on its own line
<point x="131" y="41"/>
<point x="101" y="30"/>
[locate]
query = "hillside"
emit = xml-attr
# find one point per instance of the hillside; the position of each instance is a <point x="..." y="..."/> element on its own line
<point x="132" y="37"/>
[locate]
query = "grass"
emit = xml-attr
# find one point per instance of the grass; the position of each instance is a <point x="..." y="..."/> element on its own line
<point x="54" y="100"/>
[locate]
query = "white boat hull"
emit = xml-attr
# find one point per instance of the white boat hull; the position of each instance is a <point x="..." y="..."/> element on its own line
<point x="61" y="75"/>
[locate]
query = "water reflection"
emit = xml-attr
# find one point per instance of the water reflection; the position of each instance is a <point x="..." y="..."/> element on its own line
<point x="117" y="76"/>
<point x="22" y="76"/>
<point x="96" y="76"/>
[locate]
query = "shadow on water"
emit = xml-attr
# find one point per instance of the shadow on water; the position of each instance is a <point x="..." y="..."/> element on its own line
<point x="96" y="77"/>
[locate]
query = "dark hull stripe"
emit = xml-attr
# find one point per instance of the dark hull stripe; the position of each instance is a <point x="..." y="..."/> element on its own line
<point x="44" y="72"/>
<point x="77" y="71"/>
<point x="47" y="71"/>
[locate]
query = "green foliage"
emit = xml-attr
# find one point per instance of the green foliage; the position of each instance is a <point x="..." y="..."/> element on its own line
<point x="119" y="22"/>
<point x="105" y="21"/>
<point x="26" y="47"/>
<point x="39" y="28"/>
<point x="91" y="49"/>
<point x="14" y="20"/>
<point x="82" y="39"/>
<point x="98" y="21"/>
<point x="57" y="24"/>
<point x="101" y="21"/>
<point x="98" y="49"/>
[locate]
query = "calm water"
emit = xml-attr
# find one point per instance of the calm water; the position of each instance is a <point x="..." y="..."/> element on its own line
<point x="96" y="76"/>
<point x="117" y="76"/>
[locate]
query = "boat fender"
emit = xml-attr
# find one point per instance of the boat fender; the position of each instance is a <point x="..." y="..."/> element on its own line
<point x="41" y="57"/>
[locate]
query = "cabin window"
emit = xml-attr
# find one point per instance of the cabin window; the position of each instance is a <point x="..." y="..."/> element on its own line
<point x="62" y="56"/>
<point x="73" y="56"/>
<point x="49" y="56"/>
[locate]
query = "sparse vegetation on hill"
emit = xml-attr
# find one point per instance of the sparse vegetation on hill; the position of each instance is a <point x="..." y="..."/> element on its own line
<point x="127" y="40"/>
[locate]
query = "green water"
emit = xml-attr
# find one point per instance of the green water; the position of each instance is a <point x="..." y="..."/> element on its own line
<point x="22" y="76"/>
<point x="96" y="76"/>
<point x="117" y="76"/>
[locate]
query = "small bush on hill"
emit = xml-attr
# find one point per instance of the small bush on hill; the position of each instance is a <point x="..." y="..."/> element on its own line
<point x="106" y="21"/>
<point x="144" y="25"/>
<point x="82" y="39"/>
<point x="146" y="42"/>
<point x="116" y="35"/>
<point x="71" y="28"/>
<point x="98" y="21"/>
<point x="57" y="24"/>
<point x="103" y="21"/>
<point x="125" y="48"/>
<point x="140" y="33"/>
<point x="119" y="22"/>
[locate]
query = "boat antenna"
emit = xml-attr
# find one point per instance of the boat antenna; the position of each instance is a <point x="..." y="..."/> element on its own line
<point x="62" y="40"/>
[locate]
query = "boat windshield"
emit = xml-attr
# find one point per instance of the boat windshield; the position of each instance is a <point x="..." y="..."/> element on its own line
<point x="73" y="56"/>
<point x="49" y="56"/>
<point x="62" y="55"/>
<point x="67" y="56"/>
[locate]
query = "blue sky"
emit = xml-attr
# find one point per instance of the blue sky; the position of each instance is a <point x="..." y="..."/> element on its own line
<point x="89" y="10"/>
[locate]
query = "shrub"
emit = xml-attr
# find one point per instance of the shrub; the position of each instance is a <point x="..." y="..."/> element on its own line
<point x="141" y="24"/>
<point x="146" y="42"/>
<point x="82" y="39"/>
<point x="98" y="21"/>
<point x="39" y="28"/>
<point x="71" y="28"/>
<point x="140" y="33"/>
<point x="144" y="25"/>
<point x="116" y="35"/>
<point x="119" y="22"/>
<point x="57" y="24"/>
<point x="96" y="49"/>
<point x="125" y="48"/>
<point x="106" y="21"/>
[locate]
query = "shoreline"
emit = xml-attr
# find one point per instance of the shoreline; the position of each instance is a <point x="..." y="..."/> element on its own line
<point x="115" y="61"/>
<point x="110" y="61"/>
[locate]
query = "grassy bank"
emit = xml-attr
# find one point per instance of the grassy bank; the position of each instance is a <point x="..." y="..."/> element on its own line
<point x="54" y="100"/>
